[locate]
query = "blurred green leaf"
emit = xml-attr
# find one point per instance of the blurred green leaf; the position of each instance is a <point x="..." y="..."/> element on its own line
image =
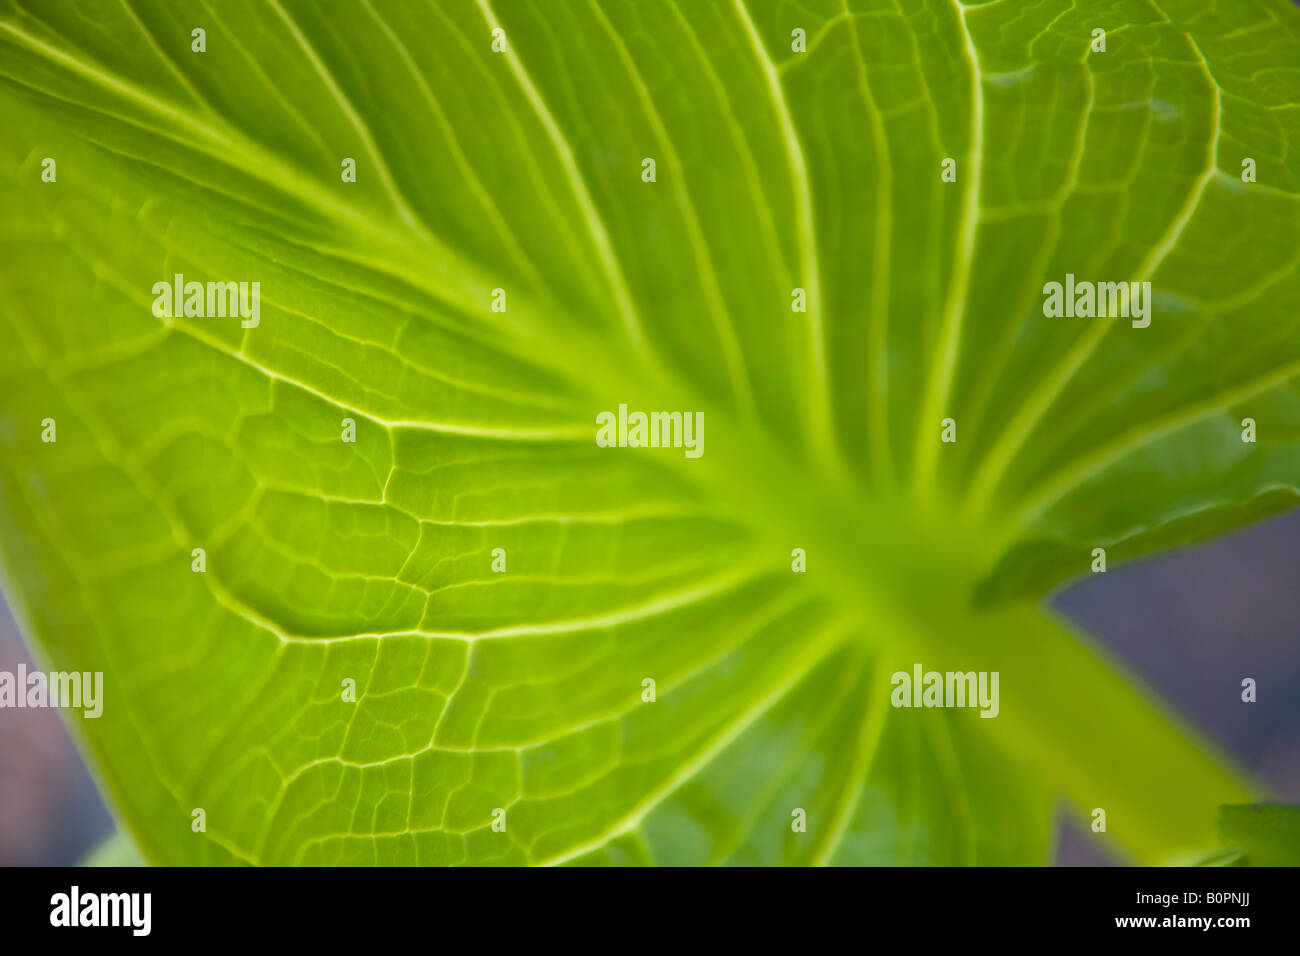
<point x="117" y="850"/>
<point x="1266" y="834"/>
<point x="521" y="170"/>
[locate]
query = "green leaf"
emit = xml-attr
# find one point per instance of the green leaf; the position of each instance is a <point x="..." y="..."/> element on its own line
<point x="372" y="561"/>
<point x="116" y="850"/>
<point x="1266" y="834"/>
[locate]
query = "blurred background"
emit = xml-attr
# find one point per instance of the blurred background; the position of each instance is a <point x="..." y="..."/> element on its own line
<point x="1192" y="624"/>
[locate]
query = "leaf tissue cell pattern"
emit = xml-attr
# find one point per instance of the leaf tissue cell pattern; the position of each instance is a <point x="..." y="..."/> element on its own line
<point x="434" y="621"/>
